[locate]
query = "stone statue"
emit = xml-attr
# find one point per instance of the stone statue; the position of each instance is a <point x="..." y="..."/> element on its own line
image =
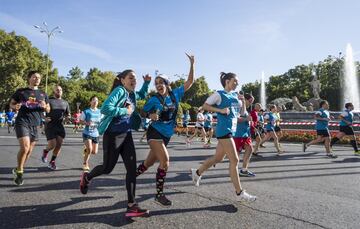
<point x="297" y="105"/>
<point x="316" y="87"/>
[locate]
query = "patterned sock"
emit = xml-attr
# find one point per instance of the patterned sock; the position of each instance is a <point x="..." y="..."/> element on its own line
<point x="160" y="180"/>
<point x="141" y="169"/>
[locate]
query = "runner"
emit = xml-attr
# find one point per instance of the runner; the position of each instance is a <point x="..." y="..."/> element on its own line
<point x="163" y="108"/>
<point x="2" y="118"/>
<point x="185" y="122"/>
<point x="277" y="128"/>
<point x="261" y="126"/>
<point x="199" y="128"/>
<point x="242" y="137"/>
<point x="322" y="117"/>
<point x="270" y="131"/>
<point x="347" y="118"/>
<point x="208" y="127"/>
<point x="227" y="106"/>
<point x="117" y="139"/>
<point x="29" y="102"/>
<point x="10" y="120"/>
<point x="256" y="128"/>
<point x="90" y="118"/>
<point x="76" y="120"/>
<point x="54" y="127"/>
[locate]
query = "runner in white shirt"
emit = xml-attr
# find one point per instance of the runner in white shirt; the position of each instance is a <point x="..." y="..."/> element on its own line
<point x="199" y="128"/>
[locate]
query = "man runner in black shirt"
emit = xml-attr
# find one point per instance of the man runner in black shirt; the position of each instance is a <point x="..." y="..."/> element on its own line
<point x="54" y="128"/>
<point x="30" y="102"/>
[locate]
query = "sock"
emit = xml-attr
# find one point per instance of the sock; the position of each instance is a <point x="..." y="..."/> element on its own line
<point x="140" y="169"/>
<point x="19" y="171"/>
<point x="53" y="158"/>
<point x="333" y="141"/>
<point x="197" y="172"/>
<point x="239" y="193"/>
<point x="45" y="152"/>
<point x="354" y="145"/>
<point x="160" y="180"/>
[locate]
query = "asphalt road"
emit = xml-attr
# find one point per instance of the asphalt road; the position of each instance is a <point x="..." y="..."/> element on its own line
<point x="296" y="190"/>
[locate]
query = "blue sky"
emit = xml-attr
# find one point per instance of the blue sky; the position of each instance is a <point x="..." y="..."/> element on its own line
<point x="245" y="37"/>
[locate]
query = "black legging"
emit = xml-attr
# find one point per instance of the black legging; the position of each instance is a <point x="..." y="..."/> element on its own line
<point x="113" y="146"/>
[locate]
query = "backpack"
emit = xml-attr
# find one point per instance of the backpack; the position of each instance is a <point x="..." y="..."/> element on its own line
<point x="173" y="100"/>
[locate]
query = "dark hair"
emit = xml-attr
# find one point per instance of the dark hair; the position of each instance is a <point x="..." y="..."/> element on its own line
<point x="347" y="105"/>
<point x="323" y="102"/>
<point x="272" y="106"/>
<point x="248" y="96"/>
<point x="121" y="75"/>
<point x="31" y="73"/>
<point x="94" y="96"/>
<point x="226" y="76"/>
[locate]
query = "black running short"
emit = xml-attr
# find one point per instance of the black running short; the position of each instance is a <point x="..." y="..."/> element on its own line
<point x="348" y="130"/>
<point x="52" y="132"/>
<point x="323" y="133"/>
<point x="277" y="129"/>
<point x="229" y="135"/>
<point x="94" y="140"/>
<point x="27" y="131"/>
<point x="153" y="134"/>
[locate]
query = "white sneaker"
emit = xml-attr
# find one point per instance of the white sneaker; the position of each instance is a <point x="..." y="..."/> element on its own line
<point x="195" y="178"/>
<point x="244" y="196"/>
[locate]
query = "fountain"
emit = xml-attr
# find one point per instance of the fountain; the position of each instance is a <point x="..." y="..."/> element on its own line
<point x="351" y="88"/>
<point x="262" y="90"/>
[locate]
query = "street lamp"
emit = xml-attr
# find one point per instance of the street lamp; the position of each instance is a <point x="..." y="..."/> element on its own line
<point x="49" y="33"/>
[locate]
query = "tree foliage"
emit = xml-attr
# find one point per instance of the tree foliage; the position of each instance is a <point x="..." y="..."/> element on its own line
<point x="296" y="82"/>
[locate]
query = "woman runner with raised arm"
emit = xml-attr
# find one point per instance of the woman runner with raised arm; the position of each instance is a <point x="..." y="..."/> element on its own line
<point x="163" y="109"/>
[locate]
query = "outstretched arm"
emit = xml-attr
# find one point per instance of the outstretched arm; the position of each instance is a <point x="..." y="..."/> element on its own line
<point x="190" y="79"/>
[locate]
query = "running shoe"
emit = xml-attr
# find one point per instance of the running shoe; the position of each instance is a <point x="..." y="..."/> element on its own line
<point x="162" y="200"/>
<point x="84" y="183"/>
<point x="279" y="153"/>
<point x="52" y="165"/>
<point x="18" y="177"/>
<point x="331" y="155"/>
<point x="304" y="147"/>
<point x="262" y="146"/>
<point x="136" y="211"/>
<point x="195" y="178"/>
<point x="246" y="173"/>
<point x="244" y="196"/>
<point x="86" y="167"/>
<point x="44" y="156"/>
<point x="206" y="145"/>
<point x="357" y="152"/>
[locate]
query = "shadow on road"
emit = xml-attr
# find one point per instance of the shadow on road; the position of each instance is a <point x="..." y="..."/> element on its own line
<point x="53" y="215"/>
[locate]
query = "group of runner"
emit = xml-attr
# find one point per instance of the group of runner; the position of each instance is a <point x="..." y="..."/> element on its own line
<point x="236" y="126"/>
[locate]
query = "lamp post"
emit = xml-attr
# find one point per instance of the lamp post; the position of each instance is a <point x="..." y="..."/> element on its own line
<point x="49" y="33"/>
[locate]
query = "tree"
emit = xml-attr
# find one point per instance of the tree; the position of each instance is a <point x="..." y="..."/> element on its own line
<point x="17" y="58"/>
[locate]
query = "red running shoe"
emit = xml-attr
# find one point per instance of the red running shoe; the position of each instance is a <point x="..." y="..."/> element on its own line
<point x="136" y="211"/>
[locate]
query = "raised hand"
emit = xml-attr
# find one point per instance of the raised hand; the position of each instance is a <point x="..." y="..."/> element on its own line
<point x="147" y="78"/>
<point x="191" y="58"/>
